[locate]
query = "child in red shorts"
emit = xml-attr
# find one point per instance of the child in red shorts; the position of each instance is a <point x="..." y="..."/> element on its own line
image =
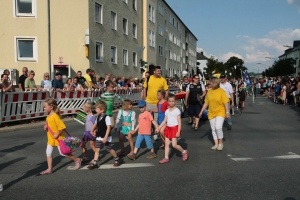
<point x="173" y="130"/>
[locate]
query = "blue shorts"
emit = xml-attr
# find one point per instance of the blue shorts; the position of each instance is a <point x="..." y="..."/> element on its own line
<point x="140" y="138"/>
<point x="194" y="110"/>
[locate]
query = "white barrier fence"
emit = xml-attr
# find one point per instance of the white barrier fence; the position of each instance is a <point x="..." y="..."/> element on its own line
<point x="17" y="106"/>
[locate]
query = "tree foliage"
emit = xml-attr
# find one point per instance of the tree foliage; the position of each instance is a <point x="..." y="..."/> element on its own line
<point x="220" y="67"/>
<point x="281" y="68"/>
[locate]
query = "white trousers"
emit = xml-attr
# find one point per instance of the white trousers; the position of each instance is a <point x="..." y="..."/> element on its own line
<point x="49" y="150"/>
<point x="216" y="125"/>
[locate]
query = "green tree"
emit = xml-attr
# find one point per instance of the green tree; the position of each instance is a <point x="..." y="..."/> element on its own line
<point x="213" y="65"/>
<point x="281" y="68"/>
<point x="235" y="61"/>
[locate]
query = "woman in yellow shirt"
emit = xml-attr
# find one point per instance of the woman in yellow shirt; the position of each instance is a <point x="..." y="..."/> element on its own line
<point x="216" y="100"/>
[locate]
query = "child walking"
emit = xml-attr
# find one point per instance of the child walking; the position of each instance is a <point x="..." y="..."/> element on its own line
<point x="144" y="131"/>
<point x="87" y="136"/>
<point x="54" y="127"/>
<point x="109" y="98"/>
<point x="127" y="117"/>
<point x="173" y="130"/>
<point x="162" y="106"/>
<point x="101" y="130"/>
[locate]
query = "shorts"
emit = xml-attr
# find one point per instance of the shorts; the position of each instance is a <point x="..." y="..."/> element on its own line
<point x="140" y="138"/>
<point x="107" y="145"/>
<point x="194" y="110"/>
<point x="170" y="132"/>
<point x="87" y="136"/>
<point x="277" y="94"/>
<point x="125" y="129"/>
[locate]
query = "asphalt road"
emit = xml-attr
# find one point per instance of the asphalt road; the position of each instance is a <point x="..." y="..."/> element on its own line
<point x="260" y="160"/>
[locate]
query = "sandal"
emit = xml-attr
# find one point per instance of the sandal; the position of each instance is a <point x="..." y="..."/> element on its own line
<point x="121" y="153"/>
<point x="196" y="128"/>
<point x="193" y="125"/>
<point x="161" y="147"/>
<point x="46" y="172"/>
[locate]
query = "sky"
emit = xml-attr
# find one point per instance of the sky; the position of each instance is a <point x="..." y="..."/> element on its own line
<point x="248" y="29"/>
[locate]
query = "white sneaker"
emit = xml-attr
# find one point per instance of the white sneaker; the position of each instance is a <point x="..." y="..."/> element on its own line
<point x="214" y="147"/>
<point x="155" y="137"/>
<point x="232" y="113"/>
<point x="1" y="187"/>
<point x="220" y="147"/>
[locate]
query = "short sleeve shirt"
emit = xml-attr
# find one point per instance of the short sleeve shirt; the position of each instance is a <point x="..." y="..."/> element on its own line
<point x="227" y="87"/>
<point x="155" y="84"/>
<point x="81" y="80"/>
<point x="55" y="124"/>
<point x="172" y="117"/>
<point x="29" y="83"/>
<point x="216" y="100"/>
<point x="145" y="121"/>
<point x="22" y="79"/>
<point x="88" y="80"/>
<point x="58" y="84"/>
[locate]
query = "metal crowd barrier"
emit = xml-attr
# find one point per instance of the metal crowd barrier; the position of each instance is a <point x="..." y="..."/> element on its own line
<point x="17" y="106"/>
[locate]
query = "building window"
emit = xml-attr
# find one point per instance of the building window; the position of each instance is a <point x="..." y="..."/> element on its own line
<point x="160" y="9"/>
<point x="151" y="13"/>
<point x="134" y="30"/>
<point x="161" y="51"/>
<point x="125" y="26"/>
<point x="134" y="59"/>
<point x="160" y="30"/>
<point x="125" y="57"/>
<point x="113" y="20"/>
<point x="26" y="48"/>
<point x="98" y="13"/>
<point x="99" y="52"/>
<point x="171" y="19"/>
<point x="151" y="38"/>
<point x="125" y="1"/>
<point x="134" y="4"/>
<point x="25" y="8"/>
<point x="113" y="54"/>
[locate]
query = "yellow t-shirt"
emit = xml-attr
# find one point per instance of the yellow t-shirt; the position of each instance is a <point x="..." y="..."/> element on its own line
<point x="88" y="80"/>
<point x="56" y="124"/>
<point x="216" y="100"/>
<point x="155" y="84"/>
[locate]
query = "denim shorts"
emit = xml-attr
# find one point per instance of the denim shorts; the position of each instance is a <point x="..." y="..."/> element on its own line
<point x="140" y="138"/>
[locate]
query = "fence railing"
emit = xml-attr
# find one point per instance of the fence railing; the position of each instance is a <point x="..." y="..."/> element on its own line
<point x="16" y="106"/>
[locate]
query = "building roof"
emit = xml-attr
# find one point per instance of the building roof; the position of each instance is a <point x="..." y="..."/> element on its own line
<point x="179" y="19"/>
<point x="201" y="56"/>
<point x="296" y="47"/>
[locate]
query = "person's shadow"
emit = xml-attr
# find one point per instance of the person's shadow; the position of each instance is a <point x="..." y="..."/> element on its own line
<point x="209" y="136"/>
<point x="15" y="148"/>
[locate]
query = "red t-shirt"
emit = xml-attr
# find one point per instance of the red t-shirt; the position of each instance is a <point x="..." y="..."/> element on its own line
<point x="164" y="106"/>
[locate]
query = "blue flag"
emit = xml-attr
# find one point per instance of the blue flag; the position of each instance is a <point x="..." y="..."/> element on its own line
<point x="246" y="75"/>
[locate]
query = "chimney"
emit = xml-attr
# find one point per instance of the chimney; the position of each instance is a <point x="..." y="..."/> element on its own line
<point x="201" y="53"/>
<point x="296" y="43"/>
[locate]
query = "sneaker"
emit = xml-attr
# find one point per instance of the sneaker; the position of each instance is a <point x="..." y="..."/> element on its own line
<point x="214" y="147"/>
<point x="78" y="163"/>
<point x="220" y="147"/>
<point x="164" y="160"/>
<point x="93" y="166"/>
<point x="232" y="114"/>
<point x="151" y="156"/>
<point x="229" y="127"/>
<point x="131" y="157"/>
<point x="185" y="155"/>
<point x="118" y="162"/>
<point x="1" y="187"/>
<point x="190" y="122"/>
<point x="155" y="137"/>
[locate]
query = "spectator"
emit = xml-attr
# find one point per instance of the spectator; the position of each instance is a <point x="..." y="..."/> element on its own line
<point x="107" y="77"/>
<point x="101" y="83"/>
<point x="5" y="85"/>
<point x="81" y="80"/>
<point x="119" y="82"/>
<point x="57" y="83"/>
<point x="46" y="83"/>
<point x="114" y="80"/>
<point x="29" y="83"/>
<point x="94" y="80"/>
<point x="88" y="79"/>
<point x="143" y="95"/>
<point x="22" y="78"/>
<point x="76" y="85"/>
<point x="69" y="85"/>
<point x="7" y="72"/>
<point x="122" y="83"/>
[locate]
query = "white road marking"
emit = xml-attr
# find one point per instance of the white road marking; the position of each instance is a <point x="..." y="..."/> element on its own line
<point x="123" y="166"/>
<point x="242" y="159"/>
<point x="290" y="155"/>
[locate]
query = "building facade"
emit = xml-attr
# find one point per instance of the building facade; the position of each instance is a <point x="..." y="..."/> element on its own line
<point x="107" y="36"/>
<point x="293" y="52"/>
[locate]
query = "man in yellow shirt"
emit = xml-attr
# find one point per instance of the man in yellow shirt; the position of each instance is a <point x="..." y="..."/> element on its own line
<point x="151" y="86"/>
<point x="88" y="80"/>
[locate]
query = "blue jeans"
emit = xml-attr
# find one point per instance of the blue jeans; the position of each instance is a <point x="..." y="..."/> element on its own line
<point x="229" y="119"/>
<point x="140" y="139"/>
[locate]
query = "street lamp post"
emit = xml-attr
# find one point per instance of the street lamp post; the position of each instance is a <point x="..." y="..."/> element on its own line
<point x="265" y="67"/>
